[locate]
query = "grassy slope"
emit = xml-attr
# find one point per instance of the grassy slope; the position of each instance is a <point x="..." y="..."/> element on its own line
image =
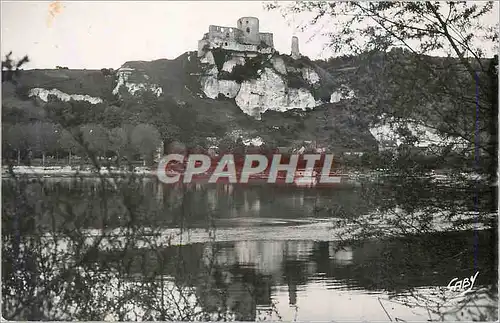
<point x="90" y="82"/>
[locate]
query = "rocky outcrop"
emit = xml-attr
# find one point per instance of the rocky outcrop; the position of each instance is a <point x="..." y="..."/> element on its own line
<point x="268" y="90"/>
<point x="230" y="64"/>
<point x="208" y="58"/>
<point x="123" y="81"/>
<point x="212" y="87"/>
<point x="310" y="75"/>
<point x="43" y="94"/>
<point x="344" y="93"/>
<point x="256" y="141"/>
<point x="300" y="99"/>
<point x="247" y="138"/>
<point x="387" y="135"/>
<point x="279" y="65"/>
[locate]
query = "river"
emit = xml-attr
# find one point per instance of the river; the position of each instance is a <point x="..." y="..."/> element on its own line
<point x="199" y="252"/>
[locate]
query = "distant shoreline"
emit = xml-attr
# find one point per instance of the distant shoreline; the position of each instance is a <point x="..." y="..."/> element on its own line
<point x="64" y="171"/>
<point x="89" y="171"/>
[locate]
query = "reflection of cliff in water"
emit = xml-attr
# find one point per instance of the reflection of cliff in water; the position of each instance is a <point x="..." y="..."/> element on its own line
<point x="154" y="204"/>
<point x="148" y="202"/>
<point x="243" y="275"/>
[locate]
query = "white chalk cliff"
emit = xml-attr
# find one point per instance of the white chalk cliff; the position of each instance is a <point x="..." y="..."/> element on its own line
<point x="43" y="94"/>
<point x="269" y="91"/>
<point x="387" y="131"/>
<point x="123" y="76"/>
<point x="344" y="93"/>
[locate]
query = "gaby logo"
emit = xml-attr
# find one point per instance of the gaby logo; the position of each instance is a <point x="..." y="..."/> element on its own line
<point x="302" y="170"/>
<point x="464" y="286"/>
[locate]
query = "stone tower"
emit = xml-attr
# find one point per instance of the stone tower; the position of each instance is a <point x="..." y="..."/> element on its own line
<point x="249" y="27"/>
<point x="295" y="48"/>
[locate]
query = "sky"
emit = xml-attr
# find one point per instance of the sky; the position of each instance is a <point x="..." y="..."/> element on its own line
<point x="106" y="34"/>
<point x="94" y="35"/>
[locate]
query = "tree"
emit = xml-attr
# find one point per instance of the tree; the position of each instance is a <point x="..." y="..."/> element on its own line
<point x="118" y="141"/>
<point x="74" y="113"/>
<point x="14" y="137"/>
<point x="41" y="281"/>
<point x="146" y="139"/>
<point x="226" y="145"/>
<point x="95" y="137"/>
<point x="176" y="147"/>
<point x="394" y="41"/>
<point x="69" y="142"/>
<point x="239" y="147"/>
<point x="183" y="121"/>
<point x="113" y="117"/>
<point x="11" y="68"/>
<point x="400" y="79"/>
<point x="42" y="138"/>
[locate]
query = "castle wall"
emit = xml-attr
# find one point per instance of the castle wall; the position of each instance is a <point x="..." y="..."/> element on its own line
<point x="245" y="38"/>
<point x="249" y="27"/>
<point x="267" y="38"/>
<point x="223" y="34"/>
<point x="240" y="47"/>
<point x="248" y="50"/>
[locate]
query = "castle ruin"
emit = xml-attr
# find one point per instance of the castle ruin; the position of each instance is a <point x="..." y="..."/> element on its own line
<point x="246" y="38"/>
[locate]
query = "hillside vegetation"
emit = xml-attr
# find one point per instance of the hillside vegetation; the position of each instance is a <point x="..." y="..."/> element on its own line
<point x="181" y="112"/>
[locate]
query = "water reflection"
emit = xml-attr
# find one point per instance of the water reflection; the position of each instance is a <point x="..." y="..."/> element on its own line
<point x="193" y="205"/>
<point x="276" y="252"/>
<point x="254" y="273"/>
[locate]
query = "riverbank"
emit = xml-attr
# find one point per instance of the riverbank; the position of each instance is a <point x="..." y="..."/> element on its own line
<point x="68" y="171"/>
<point x="350" y="177"/>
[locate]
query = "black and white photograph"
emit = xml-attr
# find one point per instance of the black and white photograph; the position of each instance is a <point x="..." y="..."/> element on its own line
<point x="249" y="161"/>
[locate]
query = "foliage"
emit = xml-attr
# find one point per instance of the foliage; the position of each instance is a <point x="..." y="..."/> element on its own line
<point x="295" y="81"/>
<point x="392" y="61"/>
<point x="15" y="136"/>
<point x="220" y="57"/>
<point x="68" y="140"/>
<point x="394" y="43"/>
<point x="108" y="71"/>
<point x="95" y="138"/>
<point x="11" y="69"/>
<point x="248" y="71"/>
<point x="103" y="248"/>
<point x="118" y="140"/>
<point x="43" y="136"/>
<point x="146" y="139"/>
